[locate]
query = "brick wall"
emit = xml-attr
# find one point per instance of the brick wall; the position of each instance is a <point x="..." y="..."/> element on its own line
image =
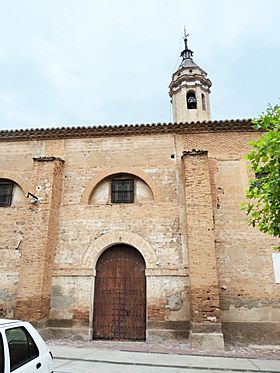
<point x="39" y="246"/>
<point x="168" y="229"/>
<point x="205" y="302"/>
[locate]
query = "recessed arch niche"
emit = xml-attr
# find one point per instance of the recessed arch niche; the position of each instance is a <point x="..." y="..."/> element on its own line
<point x="11" y="192"/>
<point x="102" y="191"/>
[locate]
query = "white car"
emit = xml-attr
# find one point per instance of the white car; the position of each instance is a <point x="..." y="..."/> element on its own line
<point x="22" y="349"/>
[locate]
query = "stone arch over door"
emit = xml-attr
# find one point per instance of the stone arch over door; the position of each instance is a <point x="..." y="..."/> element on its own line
<point x="104" y="241"/>
<point x="119" y="311"/>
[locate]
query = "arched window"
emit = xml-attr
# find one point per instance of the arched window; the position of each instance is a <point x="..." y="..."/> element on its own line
<point x="6" y="192"/>
<point x="203" y="101"/>
<point x="191" y="100"/>
<point x="121" y="188"/>
<point x="10" y="193"/>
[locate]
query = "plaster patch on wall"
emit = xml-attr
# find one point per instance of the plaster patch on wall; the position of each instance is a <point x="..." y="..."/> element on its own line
<point x="243" y="314"/>
<point x="174" y="303"/>
<point x="6" y="296"/>
<point x="249" y="304"/>
<point x="58" y="300"/>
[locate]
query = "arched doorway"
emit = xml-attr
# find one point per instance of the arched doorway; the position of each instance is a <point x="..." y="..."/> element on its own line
<point x="120" y="295"/>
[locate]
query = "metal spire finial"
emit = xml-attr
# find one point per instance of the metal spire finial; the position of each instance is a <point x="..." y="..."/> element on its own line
<point x="186" y="38"/>
<point x="186" y="53"/>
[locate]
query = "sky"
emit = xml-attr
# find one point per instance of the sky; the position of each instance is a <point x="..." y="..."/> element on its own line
<point x="90" y="62"/>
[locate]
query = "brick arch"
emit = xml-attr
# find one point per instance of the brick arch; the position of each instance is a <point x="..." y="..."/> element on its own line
<point x="17" y="179"/>
<point x="102" y="243"/>
<point x="116" y="170"/>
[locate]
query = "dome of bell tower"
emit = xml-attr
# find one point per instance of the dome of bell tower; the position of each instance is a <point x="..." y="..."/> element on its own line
<point x="189" y="90"/>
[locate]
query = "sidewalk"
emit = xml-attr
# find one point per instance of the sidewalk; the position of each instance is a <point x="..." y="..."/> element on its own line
<point x="170" y="347"/>
<point x="165" y="360"/>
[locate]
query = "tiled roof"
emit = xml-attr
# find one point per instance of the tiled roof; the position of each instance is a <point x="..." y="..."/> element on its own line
<point x="235" y="125"/>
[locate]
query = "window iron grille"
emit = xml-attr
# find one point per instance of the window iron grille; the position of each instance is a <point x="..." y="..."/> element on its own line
<point x="122" y="191"/>
<point x="6" y="193"/>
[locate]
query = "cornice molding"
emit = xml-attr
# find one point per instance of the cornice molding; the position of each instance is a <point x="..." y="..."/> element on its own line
<point x="236" y="125"/>
<point x="190" y="79"/>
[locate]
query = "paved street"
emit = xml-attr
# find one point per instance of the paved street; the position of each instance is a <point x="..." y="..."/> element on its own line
<point x="87" y="360"/>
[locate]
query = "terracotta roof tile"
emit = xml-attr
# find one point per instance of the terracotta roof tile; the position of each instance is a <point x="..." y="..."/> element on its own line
<point x="239" y="125"/>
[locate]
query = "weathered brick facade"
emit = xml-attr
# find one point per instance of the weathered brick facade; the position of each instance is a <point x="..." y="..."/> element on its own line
<point x="207" y="272"/>
<point x="41" y="228"/>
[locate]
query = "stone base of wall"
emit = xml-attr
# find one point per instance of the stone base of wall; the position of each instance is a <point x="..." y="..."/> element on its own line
<point x="234" y="333"/>
<point x="63" y="329"/>
<point x="246" y="333"/>
<point x="69" y="329"/>
<point x="168" y="330"/>
<point x="206" y="336"/>
<point x="74" y="334"/>
<point x="207" y="341"/>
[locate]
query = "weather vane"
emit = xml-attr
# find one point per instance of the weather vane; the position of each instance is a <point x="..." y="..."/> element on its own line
<point x="186" y="53"/>
<point x="185" y="35"/>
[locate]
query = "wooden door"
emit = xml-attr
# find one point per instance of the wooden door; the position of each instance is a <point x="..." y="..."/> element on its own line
<point x="120" y="295"/>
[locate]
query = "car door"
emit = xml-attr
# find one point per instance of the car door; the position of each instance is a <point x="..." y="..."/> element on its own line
<point x="2" y="355"/>
<point x="23" y="351"/>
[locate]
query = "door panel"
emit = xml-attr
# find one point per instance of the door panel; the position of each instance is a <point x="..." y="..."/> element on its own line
<point x="120" y="295"/>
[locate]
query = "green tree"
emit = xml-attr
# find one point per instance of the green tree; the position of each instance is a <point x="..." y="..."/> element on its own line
<point x="263" y="195"/>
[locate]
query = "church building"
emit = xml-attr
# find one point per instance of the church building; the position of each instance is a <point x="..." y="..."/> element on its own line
<point x="134" y="232"/>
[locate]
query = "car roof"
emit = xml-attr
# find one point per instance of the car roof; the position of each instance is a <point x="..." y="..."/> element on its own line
<point x="7" y="322"/>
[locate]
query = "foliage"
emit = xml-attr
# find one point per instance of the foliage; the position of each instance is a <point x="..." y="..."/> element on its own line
<point x="263" y="195"/>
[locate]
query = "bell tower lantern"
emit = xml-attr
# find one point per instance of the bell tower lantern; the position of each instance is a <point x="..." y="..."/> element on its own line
<point x="189" y="90"/>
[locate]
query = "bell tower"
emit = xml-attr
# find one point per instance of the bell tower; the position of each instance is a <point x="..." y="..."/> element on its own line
<point x="189" y="90"/>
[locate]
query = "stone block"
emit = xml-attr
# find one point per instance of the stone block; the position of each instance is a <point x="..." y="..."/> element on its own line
<point x="207" y="341"/>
